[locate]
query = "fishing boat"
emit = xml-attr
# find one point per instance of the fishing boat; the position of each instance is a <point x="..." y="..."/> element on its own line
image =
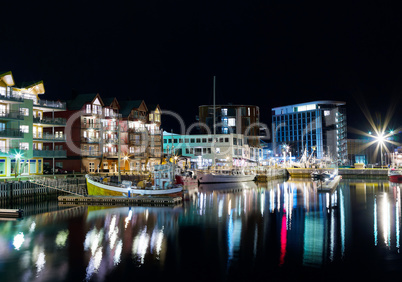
<point x="395" y="175"/>
<point x="163" y="185"/>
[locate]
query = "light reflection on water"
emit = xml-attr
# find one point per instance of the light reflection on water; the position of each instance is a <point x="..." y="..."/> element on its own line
<point x="232" y="229"/>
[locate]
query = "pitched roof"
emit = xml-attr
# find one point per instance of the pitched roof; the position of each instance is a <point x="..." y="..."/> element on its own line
<point x="127" y="106"/>
<point x="80" y="100"/>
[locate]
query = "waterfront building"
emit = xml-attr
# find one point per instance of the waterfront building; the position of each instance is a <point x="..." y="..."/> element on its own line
<point x="317" y="127"/>
<point x="229" y="149"/>
<point x="360" y="152"/>
<point x="99" y="127"/>
<point x="27" y="136"/>
<point x="236" y="119"/>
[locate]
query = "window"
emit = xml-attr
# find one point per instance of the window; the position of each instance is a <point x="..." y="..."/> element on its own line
<point x="192" y="140"/>
<point x="24" y="128"/>
<point x="224" y="112"/>
<point x="107" y="112"/>
<point x="326" y="113"/>
<point x="226" y="140"/>
<point x="217" y="150"/>
<point x="204" y="140"/>
<point x="24" y="111"/>
<point x="88" y="109"/>
<point x="186" y="140"/>
<point x="91" y="167"/>
<point x="198" y="140"/>
<point x="105" y="165"/>
<point x="24" y="146"/>
<point x="232" y="122"/>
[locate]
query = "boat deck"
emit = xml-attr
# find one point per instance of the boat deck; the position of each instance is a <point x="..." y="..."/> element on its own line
<point x="120" y="200"/>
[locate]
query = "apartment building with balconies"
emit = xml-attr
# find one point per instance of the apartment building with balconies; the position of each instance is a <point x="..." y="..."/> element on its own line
<point x="24" y="144"/>
<point x="103" y="130"/>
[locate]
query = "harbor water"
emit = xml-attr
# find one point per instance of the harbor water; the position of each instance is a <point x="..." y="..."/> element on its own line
<point x="276" y="231"/>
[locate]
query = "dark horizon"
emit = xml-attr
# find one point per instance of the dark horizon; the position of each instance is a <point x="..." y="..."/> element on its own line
<point x="263" y="54"/>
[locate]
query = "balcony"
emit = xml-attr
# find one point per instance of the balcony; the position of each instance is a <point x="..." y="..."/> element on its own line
<point x="90" y="140"/>
<point x="49" y="154"/>
<point x="49" y="137"/>
<point x="50" y="104"/>
<point x="111" y="154"/>
<point x="11" y="115"/>
<point x="11" y="151"/>
<point x="111" y="141"/>
<point x="11" y="97"/>
<point x="91" y="153"/>
<point x="50" y="121"/>
<point x="11" y="133"/>
<point x="91" y="125"/>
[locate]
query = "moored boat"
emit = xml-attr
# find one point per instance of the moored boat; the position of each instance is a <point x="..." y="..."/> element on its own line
<point x="163" y="185"/>
<point x="395" y="175"/>
<point x="225" y="176"/>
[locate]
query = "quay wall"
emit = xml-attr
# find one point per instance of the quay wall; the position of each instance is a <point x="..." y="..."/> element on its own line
<point x="345" y="172"/>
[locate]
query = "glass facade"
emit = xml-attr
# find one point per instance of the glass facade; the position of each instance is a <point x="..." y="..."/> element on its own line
<point x="317" y="128"/>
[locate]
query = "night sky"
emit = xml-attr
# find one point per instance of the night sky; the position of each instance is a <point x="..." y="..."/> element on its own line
<point x="264" y="53"/>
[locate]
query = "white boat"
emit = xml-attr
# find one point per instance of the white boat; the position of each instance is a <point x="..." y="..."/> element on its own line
<point x="225" y="176"/>
<point x="163" y="185"/>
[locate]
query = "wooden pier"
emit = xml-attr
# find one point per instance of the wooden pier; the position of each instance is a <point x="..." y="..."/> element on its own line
<point x="121" y="201"/>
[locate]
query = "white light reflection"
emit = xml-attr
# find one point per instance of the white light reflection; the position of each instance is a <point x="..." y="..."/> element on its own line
<point x="230" y="207"/>
<point x="40" y="262"/>
<point x="271" y="201"/>
<point x="61" y="238"/>
<point x="156" y="240"/>
<point x="18" y="240"/>
<point x="94" y="263"/>
<point x="32" y="227"/>
<point x="117" y="253"/>
<point x="113" y="232"/>
<point x="386" y="217"/>
<point x="128" y="218"/>
<point x="140" y="244"/>
<point x="92" y="240"/>
<point x="262" y="203"/>
<point x="220" y="208"/>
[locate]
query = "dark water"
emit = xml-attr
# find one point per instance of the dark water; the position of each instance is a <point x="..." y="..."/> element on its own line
<point x="286" y="231"/>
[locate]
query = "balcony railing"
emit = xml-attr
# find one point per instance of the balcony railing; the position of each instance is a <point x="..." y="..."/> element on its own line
<point x="90" y="140"/>
<point x="111" y="154"/>
<point x="111" y="141"/>
<point x="49" y="154"/>
<point x="48" y="136"/>
<point x="91" y="153"/>
<point x="11" y="97"/>
<point x="11" y="115"/>
<point x="11" y="151"/>
<point x="50" y="104"/>
<point x="11" y="133"/>
<point x="52" y="121"/>
<point x="91" y="125"/>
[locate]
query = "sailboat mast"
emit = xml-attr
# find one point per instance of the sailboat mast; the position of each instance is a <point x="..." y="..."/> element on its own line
<point x="213" y="125"/>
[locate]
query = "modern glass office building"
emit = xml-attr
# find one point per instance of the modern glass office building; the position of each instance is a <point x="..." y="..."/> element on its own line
<point x="319" y="127"/>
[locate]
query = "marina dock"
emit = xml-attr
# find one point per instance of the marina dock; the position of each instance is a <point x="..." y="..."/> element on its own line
<point x="329" y="185"/>
<point x="11" y="213"/>
<point x="117" y="200"/>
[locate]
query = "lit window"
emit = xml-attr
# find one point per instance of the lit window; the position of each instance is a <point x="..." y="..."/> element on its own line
<point x="232" y="122"/>
<point x="88" y="111"/>
<point x="24" y="128"/>
<point x="327" y="113"/>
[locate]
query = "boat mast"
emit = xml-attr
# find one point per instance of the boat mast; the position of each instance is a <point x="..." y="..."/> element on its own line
<point x="213" y="125"/>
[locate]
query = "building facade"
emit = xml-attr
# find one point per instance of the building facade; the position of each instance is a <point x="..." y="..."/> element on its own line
<point x="236" y="119"/>
<point x="106" y="135"/>
<point x="230" y="149"/>
<point x="27" y="137"/>
<point x="317" y="128"/>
